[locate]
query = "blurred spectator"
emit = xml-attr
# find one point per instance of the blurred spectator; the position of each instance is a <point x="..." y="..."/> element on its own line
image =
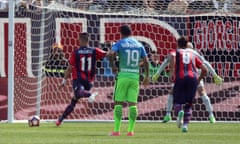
<point x="161" y="5"/>
<point x="49" y="2"/>
<point x="236" y="6"/>
<point x="19" y="5"/>
<point x="148" y="4"/>
<point x="98" y="5"/>
<point x="82" y="4"/>
<point x="37" y="2"/>
<point x="222" y="5"/>
<point x="178" y="7"/>
<point x="3" y="4"/>
<point x="200" y="6"/>
<point x="65" y="2"/>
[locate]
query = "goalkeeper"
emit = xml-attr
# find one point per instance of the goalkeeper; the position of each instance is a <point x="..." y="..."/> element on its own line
<point x="201" y="90"/>
<point x="56" y="64"/>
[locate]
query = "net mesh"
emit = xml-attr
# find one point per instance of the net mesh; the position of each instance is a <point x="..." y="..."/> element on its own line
<point x="215" y="35"/>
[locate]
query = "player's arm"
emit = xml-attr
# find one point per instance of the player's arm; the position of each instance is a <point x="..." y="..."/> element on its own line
<point x="68" y="71"/>
<point x="160" y="69"/>
<point x="146" y="69"/>
<point x="172" y="63"/>
<point x="203" y="68"/>
<point x="100" y="53"/>
<point x="203" y="73"/>
<point x="111" y="56"/>
<point x="67" y="74"/>
<point x="216" y="77"/>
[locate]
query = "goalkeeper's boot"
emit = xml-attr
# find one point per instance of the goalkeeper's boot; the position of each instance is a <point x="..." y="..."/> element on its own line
<point x="167" y="118"/>
<point x="218" y="80"/>
<point x="130" y="134"/>
<point x="92" y="97"/>
<point x="58" y="123"/>
<point x="185" y="129"/>
<point x="180" y="118"/>
<point x="155" y="78"/>
<point x="212" y="119"/>
<point x="115" y="134"/>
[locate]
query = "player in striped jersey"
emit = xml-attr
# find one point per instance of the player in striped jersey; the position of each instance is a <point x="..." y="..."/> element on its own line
<point x="183" y="70"/>
<point x="82" y="67"/>
<point x="201" y="90"/>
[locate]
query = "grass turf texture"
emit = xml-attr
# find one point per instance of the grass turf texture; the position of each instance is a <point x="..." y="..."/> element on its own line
<point x="98" y="133"/>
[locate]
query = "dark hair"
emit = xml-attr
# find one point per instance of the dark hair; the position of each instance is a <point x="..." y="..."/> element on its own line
<point x="84" y="36"/>
<point x="125" y="30"/>
<point x="182" y="42"/>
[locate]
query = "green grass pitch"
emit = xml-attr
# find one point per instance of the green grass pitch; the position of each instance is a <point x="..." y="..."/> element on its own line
<point x="98" y="133"/>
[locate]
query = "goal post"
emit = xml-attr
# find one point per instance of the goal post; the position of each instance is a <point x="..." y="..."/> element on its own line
<point x="215" y="35"/>
<point x="11" y="62"/>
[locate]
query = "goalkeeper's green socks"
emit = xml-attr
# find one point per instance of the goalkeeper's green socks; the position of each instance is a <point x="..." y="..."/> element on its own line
<point x="132" y="118"/>
<point x="117" y="117"/>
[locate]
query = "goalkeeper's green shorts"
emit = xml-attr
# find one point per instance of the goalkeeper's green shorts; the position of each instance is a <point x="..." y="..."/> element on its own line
<point x="126" y="90"/>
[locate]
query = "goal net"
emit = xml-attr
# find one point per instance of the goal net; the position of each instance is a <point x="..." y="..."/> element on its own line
<point x="215" y="33"/>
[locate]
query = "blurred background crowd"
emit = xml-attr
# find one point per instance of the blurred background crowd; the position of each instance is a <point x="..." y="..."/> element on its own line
<point x="160" y="6"/>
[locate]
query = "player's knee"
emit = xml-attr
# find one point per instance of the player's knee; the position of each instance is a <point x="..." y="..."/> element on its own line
<point x="205" y="98"/>
<point x="132" y="104"/>
<point x="79" y="94"/>
<point x="188" y="106"/>
<point x="201" y="91"/>
<point x="118" y="103"/>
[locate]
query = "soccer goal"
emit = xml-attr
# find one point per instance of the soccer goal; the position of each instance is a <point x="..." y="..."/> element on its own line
<point x="216" y="34"/>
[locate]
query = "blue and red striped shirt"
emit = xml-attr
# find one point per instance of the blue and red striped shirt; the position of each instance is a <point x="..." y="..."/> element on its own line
<point x="83" y="61"/>
<point x="186" y="64"/>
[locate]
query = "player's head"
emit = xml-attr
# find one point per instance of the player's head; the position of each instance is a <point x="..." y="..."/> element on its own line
<point x="57" y="50"/>
<point x="125" y="31"/>
<point x="57" y="45"/>
<point x="190" y="45"/>
<point x="182" y="42"/>
<point x="84" y="39"/>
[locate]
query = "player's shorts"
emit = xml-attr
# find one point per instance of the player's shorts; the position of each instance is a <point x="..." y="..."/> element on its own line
<point x="81" y="85"/>
<point x="126" y="90"/>
<point x="201" y="84"/>
<point x="184" y="90"/>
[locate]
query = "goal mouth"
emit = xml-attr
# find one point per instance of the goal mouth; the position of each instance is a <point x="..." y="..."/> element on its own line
<point x="214" y="33"/>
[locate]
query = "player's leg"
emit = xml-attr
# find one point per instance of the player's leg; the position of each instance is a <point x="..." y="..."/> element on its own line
<point x="79" y="92"/>
<point x="117" y="115"/>
<point x="206" y="101"/>
<point x="191" y="88"/>
<point x="132" y="97"/>
<point x="67" y="111"/>
<point x="179" y="92"/>
<point x="187" y="116"/>
<point x="119" y="97"/>
<point x="169" y="107"/>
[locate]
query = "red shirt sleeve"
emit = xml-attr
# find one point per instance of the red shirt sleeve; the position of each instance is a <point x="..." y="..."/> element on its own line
<point x="198" y="62"/>
<point x="72" y="59"/>
<point x="100" y="53"/>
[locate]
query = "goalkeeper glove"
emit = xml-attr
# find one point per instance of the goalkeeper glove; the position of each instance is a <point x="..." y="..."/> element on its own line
<point x="217" y="79"/>
<point x="155" y="78"/>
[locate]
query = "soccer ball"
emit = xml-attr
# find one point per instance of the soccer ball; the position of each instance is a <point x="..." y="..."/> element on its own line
<point x="34" y="121"/>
